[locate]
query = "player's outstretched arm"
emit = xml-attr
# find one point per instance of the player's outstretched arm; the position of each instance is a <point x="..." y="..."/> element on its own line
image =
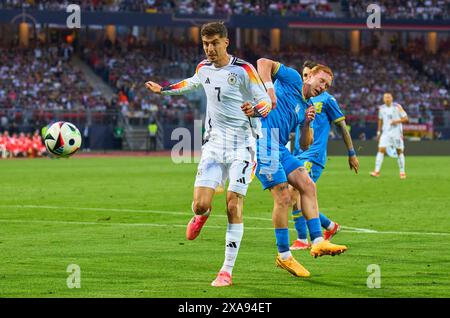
<point x="180" y="88"/>
<point x="307" y="133"/>
<point x="153" y="87"/>
<point x="353" y="161"/>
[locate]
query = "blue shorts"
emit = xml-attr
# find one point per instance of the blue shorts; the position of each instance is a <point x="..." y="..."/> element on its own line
<point x="274" y="167"/>
<point x="314" y="170"/>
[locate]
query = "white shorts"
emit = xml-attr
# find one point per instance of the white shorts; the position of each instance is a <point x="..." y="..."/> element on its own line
<point x="393" y="141"/>
<point x="216" y="166"/>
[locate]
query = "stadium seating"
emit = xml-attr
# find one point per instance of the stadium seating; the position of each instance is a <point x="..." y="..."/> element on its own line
<point x="360" y="82"/>
<point x="400" y="9"/>
<point x="127" y="70"/>
<point x="418" y="81"/>
<point x="41" y="80"/>
<point x="397" y="9"/>
<point x="206" y="7"/>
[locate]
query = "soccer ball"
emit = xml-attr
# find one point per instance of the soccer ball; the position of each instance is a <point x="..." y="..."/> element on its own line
<point x="62" y="139"/>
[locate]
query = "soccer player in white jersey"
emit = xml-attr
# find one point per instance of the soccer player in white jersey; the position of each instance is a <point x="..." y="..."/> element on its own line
<point x="230" y="137"/>
<point x="391" y="116"/>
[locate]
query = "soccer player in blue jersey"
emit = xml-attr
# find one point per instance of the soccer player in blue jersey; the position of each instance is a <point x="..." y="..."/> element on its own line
<point x="277" y="167"/>
<point x="314" y="158"/>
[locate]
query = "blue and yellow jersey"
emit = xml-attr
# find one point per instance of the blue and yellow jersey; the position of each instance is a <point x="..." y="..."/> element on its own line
<point x="291" y="105"/>
<point x="327" y="112"/>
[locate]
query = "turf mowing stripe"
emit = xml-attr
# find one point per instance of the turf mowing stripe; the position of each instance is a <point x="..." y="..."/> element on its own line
<point x="206" y="226"/>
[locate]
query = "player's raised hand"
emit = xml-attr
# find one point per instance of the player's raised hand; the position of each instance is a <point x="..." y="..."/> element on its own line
<point x="247" y="108"/>
<point x="353" y="162"/>
<point x="310" y="114"/>
<point x="273" y="97"/>
<point x="153" y="87"/>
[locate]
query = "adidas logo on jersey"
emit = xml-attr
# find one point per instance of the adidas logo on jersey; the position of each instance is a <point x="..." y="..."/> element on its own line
<point x="207" y="81"/>
<point x="232" y="244"/>
<point x="241" y="180"/>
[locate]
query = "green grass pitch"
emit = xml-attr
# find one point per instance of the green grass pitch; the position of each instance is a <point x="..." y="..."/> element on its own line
<point x="122" y="220"/>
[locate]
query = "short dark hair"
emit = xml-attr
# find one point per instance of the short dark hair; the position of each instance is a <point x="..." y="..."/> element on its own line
<point x="309" y="64"/>
<point x="213" y="28"/>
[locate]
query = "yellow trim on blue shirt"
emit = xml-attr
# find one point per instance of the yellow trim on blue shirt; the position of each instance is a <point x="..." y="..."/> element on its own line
<point x="276" y="68"/>
<point x="339" y="119"/>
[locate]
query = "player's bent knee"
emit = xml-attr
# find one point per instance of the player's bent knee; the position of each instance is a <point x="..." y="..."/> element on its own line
<point x="293" y="193"/>
<point x="283" y="199"/>
<point x="308" y="187"/>
<point x="201" y="206"/>
<point x="232" y="208"/>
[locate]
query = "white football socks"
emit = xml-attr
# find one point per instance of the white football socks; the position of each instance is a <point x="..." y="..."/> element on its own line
<point x="401" y="162"/>
<point x="285" y="255"/>
<point x="318" y="240"/>
<point x="379" y="161"/>
<point x="233" y="240"/>
<point x="331" y="226"/>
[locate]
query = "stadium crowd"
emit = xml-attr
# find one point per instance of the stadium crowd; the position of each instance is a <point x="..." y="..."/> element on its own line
<point x="436" y="67"/>
<point x="42" y="79"/>
<point x="360" y="82"/>
<point x="22" y="145"/>
<point x="206" y="7"/>
<point x="127" y="67"/>
<point x="401" y="9"/>
<point x="393" y="9"/>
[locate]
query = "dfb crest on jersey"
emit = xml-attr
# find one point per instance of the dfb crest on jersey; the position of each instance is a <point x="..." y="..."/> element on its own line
<point x="232" y="78"/>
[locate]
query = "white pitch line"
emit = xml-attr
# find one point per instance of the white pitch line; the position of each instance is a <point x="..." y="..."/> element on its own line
<point x="117" y="224"/>
<point x="184" y="225"/>
<point x="52" y="207"/>
<point x="357" y="229"/>
<point x="346" y="229"/>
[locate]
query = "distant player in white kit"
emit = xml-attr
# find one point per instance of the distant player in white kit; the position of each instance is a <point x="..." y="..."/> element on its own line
<point x="229" y="141"/>
<point x="391" y="116"/>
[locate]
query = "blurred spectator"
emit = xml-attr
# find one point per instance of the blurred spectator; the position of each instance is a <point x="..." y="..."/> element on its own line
<point x="362" y="136"/>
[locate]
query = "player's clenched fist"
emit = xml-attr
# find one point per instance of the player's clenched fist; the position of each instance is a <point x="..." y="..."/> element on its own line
<point x="247" y="108"/>
<point x="310" y="113"/>
<point x="153" y="87"/>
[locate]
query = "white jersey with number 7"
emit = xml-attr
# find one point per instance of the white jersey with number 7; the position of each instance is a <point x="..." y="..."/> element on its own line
<point x="227" y="88"/>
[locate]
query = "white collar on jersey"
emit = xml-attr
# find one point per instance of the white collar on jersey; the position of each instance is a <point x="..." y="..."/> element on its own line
<point x="230" y="61"/>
